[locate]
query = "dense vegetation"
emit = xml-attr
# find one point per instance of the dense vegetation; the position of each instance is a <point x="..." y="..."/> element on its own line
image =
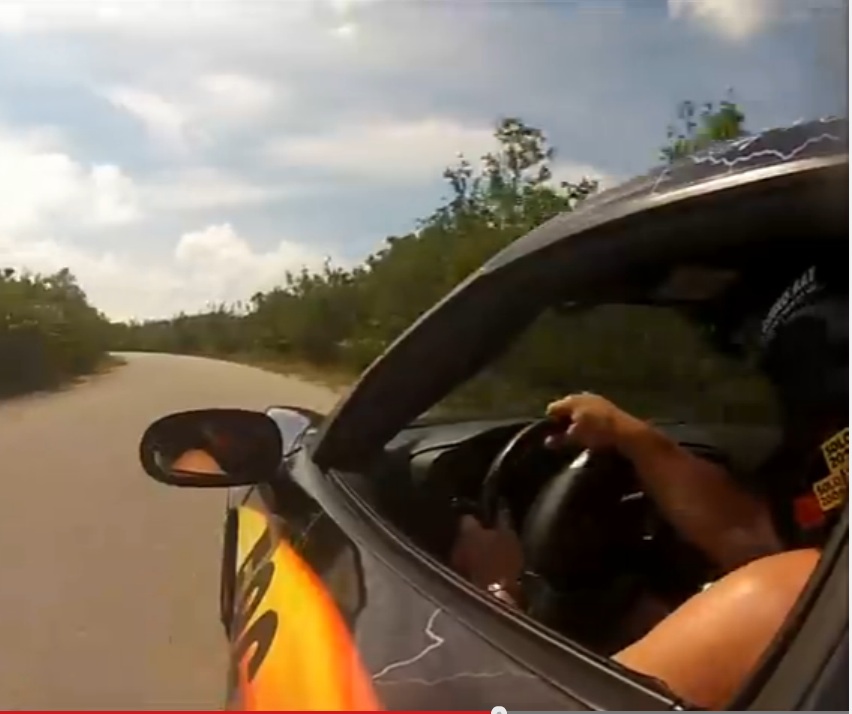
<point x="347" y="317"/>
<point x="341" y="319"/>
<point x="48" y="331"/>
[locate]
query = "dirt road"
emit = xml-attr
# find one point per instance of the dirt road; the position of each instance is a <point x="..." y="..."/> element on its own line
<point x="110" y="581"/>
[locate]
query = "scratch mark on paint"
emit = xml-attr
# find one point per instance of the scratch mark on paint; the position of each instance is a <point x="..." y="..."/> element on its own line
<point x="721" y="160"/>
<point x="736" y="152"/>
<point x="458" y="675"/>
<point x="435" y="641"/>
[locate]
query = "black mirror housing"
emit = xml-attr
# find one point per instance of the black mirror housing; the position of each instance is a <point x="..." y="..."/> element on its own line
<point x="212" y="448"/>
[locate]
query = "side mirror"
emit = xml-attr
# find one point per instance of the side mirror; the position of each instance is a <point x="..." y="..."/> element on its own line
<point x="293" y="423"/>
<point x="211" y="448"/>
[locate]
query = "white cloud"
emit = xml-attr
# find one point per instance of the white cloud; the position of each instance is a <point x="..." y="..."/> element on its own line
<point x="219" y="262"/>
<point x="206" y="187"/>
<point x="385" y="149"/>
<point x="212" y="265"/>
<point x="47" y="195"/>
<point x="114" y="196"/>
<point x="138" y="16"/>
<point x="237" y="95"/>
<point x="164" y="120"/>
<point x="347" y="30"/>
<point x="40" y="184"/>
<point x="225" y="27"/>
<point x="399" y="151"/>
<point x="739" y="20"/>
<point x="734" y="19"/>
<point x="200" y="111"/>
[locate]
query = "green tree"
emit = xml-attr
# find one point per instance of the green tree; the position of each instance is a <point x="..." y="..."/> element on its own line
<point x="698" y="127"/>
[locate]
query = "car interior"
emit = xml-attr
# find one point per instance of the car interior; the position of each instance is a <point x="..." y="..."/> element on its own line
<point x="595" y="548"/>
<point x="593" y="559"/>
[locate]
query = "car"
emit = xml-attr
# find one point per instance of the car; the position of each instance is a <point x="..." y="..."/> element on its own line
<point x="336" y="590"/>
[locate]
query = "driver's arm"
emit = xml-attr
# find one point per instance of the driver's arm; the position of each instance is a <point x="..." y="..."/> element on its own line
<point x="699" y="498"/>
<point x="706" y="649"/>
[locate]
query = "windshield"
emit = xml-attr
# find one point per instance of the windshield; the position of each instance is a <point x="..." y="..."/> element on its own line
<point x="649" y="359"/>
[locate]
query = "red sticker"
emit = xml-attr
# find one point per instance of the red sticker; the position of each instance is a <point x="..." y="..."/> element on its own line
<point x="807" y="511"/>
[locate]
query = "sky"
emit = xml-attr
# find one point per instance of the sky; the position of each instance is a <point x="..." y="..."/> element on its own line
<point x="177" y="153"/>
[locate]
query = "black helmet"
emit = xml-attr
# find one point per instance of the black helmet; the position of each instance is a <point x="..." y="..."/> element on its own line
<point x="804" y="341"/>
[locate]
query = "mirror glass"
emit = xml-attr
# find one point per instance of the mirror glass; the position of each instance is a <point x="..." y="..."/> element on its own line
<point x="212" y="447"/>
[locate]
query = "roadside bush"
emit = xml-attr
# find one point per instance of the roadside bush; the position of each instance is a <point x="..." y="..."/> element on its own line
<point x="48" y="331"/>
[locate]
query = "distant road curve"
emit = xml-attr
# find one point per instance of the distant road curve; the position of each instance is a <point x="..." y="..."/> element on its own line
<point x="110" y="581"/>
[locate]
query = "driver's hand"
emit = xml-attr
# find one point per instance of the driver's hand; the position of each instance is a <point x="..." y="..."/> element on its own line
<point x="485" y="556"/>
<point x="596" y="423"/>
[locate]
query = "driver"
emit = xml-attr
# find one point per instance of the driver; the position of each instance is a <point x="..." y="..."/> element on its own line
<point x="706" y="648"/>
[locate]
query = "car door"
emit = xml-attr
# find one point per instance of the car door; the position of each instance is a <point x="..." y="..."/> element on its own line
<point x="479" y="320"/>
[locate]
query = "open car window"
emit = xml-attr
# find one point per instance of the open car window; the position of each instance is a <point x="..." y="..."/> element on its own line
<point x="649" y="359"/>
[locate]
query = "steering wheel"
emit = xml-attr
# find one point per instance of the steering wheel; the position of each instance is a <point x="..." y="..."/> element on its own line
<point x="580" y="535"/>
<point x="520" y="446"/>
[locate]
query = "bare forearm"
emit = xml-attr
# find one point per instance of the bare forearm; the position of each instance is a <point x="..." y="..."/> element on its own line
<point x="699" y="498"/>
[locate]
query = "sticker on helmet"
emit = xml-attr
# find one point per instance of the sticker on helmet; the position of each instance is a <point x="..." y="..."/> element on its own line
<point x="835" y="451"/>
<point x="831" y="491"/>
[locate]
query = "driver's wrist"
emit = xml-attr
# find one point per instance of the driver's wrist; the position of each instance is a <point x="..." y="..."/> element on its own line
<point x="636" y="438"/>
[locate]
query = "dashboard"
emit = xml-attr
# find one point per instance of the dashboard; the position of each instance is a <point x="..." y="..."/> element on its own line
<point x="428" y="467"/>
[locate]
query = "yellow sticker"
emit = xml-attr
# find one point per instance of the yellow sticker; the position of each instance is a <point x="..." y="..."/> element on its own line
<point x="831" y="491"/>
<point x="835" y="451"/>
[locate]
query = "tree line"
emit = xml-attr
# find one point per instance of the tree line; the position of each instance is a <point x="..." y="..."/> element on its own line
<point x="347" y="317"/>
<point x="343" y="318"/>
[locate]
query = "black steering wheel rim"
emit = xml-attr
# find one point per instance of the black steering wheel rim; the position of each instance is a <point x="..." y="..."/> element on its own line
<point x="533" y="434"/>
<point x="558" y="585"/>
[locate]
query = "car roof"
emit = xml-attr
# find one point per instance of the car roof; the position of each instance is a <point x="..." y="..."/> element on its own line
<point x="721" y="166"/>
